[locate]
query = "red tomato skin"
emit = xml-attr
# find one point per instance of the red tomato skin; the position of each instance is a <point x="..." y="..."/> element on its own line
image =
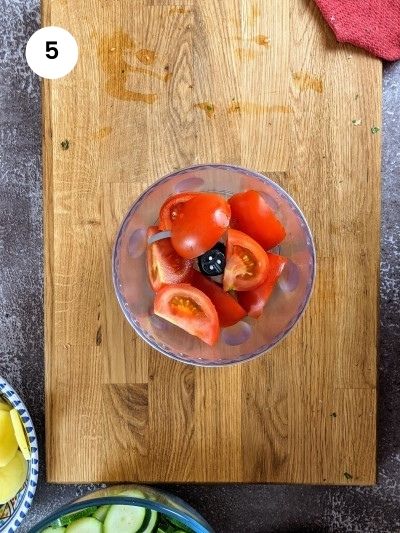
<point x="162" y="260"/>
<point x="234" y="264"/>
<point x="199" y="224"/>
<point x="229" y="310"/>
<point x="252" y="215"/>
<point x="171" y="208"/>
<point x="205" y="325"/>
<point x="254" y="301"/>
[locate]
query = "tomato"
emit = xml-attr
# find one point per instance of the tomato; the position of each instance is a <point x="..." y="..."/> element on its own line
<point x="164" y="265"/>
<point x="254" y="301"/>
<point x="246" y="262"/>
<point x="252" y="215"/>
<point x="228" y="309"/>
<point x="171" y="207"/>
<point x="199" y="224"/>
<point x="190" y="309"/>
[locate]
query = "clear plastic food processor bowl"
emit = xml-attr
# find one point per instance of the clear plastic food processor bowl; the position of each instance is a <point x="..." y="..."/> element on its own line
<point x="249" y="338"/>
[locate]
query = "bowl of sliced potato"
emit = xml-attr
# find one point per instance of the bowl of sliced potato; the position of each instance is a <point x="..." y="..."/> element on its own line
<point x="19" y="462"/>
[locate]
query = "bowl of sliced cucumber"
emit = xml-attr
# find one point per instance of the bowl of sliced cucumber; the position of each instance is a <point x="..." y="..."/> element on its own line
<point x="19" y="463"/>
<point x="125" y="509"/>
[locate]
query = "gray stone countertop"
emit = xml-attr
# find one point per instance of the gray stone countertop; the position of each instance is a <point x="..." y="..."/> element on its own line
<point x="229" y="508"/>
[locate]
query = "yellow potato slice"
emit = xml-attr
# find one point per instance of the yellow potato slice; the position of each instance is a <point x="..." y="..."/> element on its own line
<point x="12" y="477"/>
<point x="4" y="406"/>
<point x="8" y="442"/>
<point x="20" y="434"/>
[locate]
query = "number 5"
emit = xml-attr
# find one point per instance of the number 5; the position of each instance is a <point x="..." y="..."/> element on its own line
<point x="51" y="50"/>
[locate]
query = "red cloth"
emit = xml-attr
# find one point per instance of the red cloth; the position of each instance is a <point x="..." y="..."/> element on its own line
<point x="370" y="24"/>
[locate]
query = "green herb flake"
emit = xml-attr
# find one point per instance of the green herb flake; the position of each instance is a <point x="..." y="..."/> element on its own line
<point x="347" y="475"/>
<point x="65" y="144"/>
<point x="356" y="121"/>
<point x="374" y="129"/>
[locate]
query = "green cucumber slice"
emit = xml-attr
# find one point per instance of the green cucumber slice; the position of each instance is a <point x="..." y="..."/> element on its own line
<point x="149" y="522"/>
<point x="53" y="530"/>
<point x="124" y="518"/>
<point x="85" y="525"/>
<point x="132" y="494"/>
<point x="150" y="518"/>
<point x="67" y="519"/>
<point x="101" y="513"/>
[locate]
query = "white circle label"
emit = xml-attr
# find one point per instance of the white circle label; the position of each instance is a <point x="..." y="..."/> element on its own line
<point x="52" y="52"/>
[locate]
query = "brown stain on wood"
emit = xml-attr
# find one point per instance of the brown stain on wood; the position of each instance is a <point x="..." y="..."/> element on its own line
<point x="253" y="107"/>
<point x="111" y="50"/>
<point x="207" y="107"/>
<point x="234" y="107"/>
<point x="245" y="54"/>
<point x="152" y="74"/>
<point x="306" y="81"/>
<point x="179" y="10"/>
<point x="262" y="40"/>
<point x="254" y="14"/>
<point x="102" y="133"/>
<point x="145" y="56"/>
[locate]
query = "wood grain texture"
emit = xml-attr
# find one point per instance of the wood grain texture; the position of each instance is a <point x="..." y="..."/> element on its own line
<point x="126" y="417"/>
<point x="164" y="84"/>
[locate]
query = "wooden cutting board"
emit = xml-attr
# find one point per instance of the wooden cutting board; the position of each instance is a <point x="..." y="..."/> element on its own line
<point x="161" y="85"/>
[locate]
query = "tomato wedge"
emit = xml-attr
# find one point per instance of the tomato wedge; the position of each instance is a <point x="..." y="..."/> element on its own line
<point x="190" y="309"/>
<point x="171" y="208"/>
<point x="254" y="301"/>
<point x="228" y="309"/>
<point x="164" y="265"/>
<point x="252" y="215"/>
<point x="199" y="224"/>
<point x="246" y="262"/>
